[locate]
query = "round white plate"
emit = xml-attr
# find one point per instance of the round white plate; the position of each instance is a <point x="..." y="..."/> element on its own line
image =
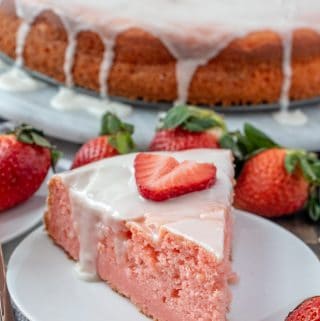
<point x="276" y="272"/>
<point x="22" y="218"/>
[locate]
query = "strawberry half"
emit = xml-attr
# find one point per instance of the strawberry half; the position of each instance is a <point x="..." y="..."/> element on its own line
<point x="188" y="127"/>
<point x="115" y="139"/>
<point x="161" y="177"/>
<point x="25" y="159"/>
<point x="309" y="310"/>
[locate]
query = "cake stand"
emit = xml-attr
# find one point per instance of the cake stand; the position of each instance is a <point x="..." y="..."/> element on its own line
<point x="77" y="126"/>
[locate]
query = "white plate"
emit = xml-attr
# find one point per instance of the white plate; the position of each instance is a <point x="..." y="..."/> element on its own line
<point x="22" y="218"/>
<point x="276" y="271"/>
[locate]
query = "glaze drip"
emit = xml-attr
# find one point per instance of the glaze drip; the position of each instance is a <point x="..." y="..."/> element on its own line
<point x="287" y="71"/>
<point x="287" y="43"/>
<point x="17" y="80"/>
<point x="106" y="65"/>
<point x="284" y="116"/>
<point x="69" y="58"/>
<point x="69" y="100"/>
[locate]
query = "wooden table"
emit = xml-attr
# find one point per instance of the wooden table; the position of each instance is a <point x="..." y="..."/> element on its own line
<point x="301" y="226"/>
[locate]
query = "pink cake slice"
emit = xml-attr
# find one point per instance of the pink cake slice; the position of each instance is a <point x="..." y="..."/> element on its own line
<point x="171" y="259"/>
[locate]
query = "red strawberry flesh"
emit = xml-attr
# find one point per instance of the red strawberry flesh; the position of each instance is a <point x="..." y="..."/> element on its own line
<point x="309" y="310"/>
<point x="161" y="177"/>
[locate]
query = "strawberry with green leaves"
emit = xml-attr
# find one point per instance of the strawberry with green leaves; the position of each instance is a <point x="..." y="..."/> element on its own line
<point x="115" y="139"/>
<point x="273" y="181"/>
<point x="25" y="158"/>
<point x="188" y="127"/>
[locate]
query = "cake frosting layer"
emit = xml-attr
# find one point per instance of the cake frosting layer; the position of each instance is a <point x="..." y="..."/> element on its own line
<point x="111" y="183"/>
<point x="104" y="195"/>
<point x="166" y="14"/>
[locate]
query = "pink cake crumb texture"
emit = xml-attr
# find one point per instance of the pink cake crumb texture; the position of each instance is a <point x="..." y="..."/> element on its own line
<point x="172" y="279"/>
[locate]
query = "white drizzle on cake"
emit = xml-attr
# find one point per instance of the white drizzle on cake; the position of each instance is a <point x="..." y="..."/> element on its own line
<point x="284" y="116"/>
<point x="193" y="31"/>
<point x="69" y="58"/>
<point x="106" y="65"/>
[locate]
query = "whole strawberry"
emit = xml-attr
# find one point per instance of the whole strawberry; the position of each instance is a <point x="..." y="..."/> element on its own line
<point x="25" y="159"/>
<point x="309" y="310"/>
<point x="273" y="181"/>
<point x="266" y="187"/>
<point x="188" y="127"/>
<point x="115" y="139"/>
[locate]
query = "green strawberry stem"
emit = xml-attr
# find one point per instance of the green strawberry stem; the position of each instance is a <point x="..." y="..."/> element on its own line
<point x="191" y="118"/>
<point x="314" y="203"/>
<point x="253" y="141"/>
<point x="29" y="135"/>
<point x="119" y="133"/>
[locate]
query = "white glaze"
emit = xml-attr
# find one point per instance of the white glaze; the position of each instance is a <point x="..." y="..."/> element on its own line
<point x="194" y="32"/>
<point x="287" y="41"/>
<point x="284" y="116"/>
<point x="106" y="65"/>
<point x="69" y="100"/>
<point x="291" y="118"/>
<point x="106" y="192"/>
<point x="84" y="275"/>
<point x="69" y="58"/>
<point x="201" y="231"/>
<point x="16" y="80"/>
<point x="284" y="100"/>
<point x="22" y="34"/>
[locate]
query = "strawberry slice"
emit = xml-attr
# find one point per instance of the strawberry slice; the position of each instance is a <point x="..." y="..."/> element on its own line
<point x="309" y="310"/>
<point x="161" y="177"/>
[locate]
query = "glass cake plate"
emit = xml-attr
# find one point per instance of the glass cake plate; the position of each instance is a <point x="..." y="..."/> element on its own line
<point x="165" y="105"/>
<point x="77" y="126"/>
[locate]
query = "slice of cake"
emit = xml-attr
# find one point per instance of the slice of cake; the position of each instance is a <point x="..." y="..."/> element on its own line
<point x="169" y="255"/>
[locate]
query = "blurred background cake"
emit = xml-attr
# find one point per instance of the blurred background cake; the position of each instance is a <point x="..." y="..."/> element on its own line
<point x="235" y="52"/>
